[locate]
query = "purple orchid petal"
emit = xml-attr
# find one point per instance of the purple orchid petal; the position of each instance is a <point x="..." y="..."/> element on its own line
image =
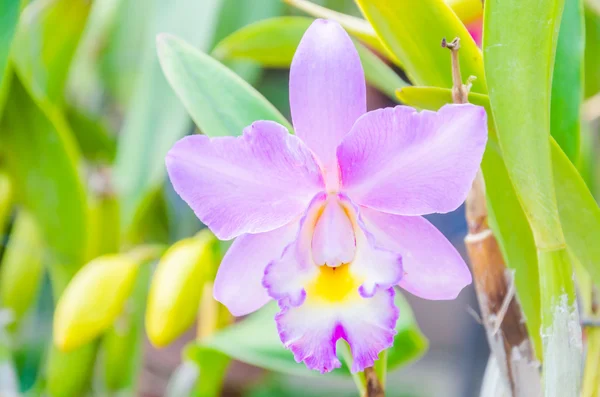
<point x="311" y="331"/>
<point x="433" y="269"/>
<point x="403" y="162"/>
<point x="251" y="184"/>
<point x="327" y="91"/>
<point x="238" y="284"/>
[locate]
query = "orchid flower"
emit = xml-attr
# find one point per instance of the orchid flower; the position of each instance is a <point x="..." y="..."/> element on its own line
<point x="328" y="221"/>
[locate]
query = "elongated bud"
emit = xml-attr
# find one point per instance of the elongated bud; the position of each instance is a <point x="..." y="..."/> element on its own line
<point x="177" y="286"/>
<point x="104" y="231"/>
<point x="6" y="201"/>
<point x="22" y="267"/>
<point x="93" y="300"/>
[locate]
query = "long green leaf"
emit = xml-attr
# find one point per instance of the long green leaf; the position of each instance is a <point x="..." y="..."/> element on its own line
<point x="413" y="31"/>
<point x="273" y="42"/>
<point x="567" y="80"/>
<point x="156" y="119"/>
<point x="93" y="138"/>
<point x="219" y="101"/>
<point x="592" y="53"/>
<point x="126" y="43"/>
<point x="508" y="221"/>
<point x="42" y="160"/>
<point x="45" y="43"/>
<point x="255" y="341"/>
<point x="525" y="35"/>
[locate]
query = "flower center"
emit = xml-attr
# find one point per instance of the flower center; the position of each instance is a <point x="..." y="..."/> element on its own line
<point x="333" y="241"/>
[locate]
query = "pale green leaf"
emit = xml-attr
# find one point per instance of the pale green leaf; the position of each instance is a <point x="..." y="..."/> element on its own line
<point x="521" y="38"/>
<point x="42" y="158"/>
<point x="45" y="42"/>
<point x="273" y="42"/>
<point x="155" y="118"/>
<point x="413" y="31"/>
<point x="592" y="52"/>
<point x="219" y="101"/>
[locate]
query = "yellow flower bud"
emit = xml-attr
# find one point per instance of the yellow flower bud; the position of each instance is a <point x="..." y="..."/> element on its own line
<point x="22" y="267"/>
<point x="177" y="287"/>
<point x="93" y="300"/>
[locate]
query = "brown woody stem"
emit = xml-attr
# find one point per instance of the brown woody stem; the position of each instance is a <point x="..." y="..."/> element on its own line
<point x="374" y="387"/>
<point x="501" y="312"/>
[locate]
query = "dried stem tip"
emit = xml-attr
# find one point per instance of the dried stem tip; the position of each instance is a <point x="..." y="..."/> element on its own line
<point x="460" y="92"/>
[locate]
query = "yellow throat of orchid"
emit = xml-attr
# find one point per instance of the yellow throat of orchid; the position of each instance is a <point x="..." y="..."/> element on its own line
<point x="333" y="285"/>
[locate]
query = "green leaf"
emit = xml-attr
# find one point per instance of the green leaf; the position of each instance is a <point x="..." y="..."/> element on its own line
<point x="409" y="342"/>
<point x="255" y="341"/>
<point x="127" y="44"/>
<point x="357" y="27"/>
<point x="579" y="213"/>
<point x="156" y="119"/>
<point x="567" y="80"/>
<point x="219" y="101"/>
<point x="211" y="368"/>
<point x="42" y="158"/>
<point x="592" y="52"/>
<point x="45" y="42"/>
<point x="93" y="138"/>
<point x="413" y="31"/>
<point x="9" y="16"/>
<point x="520" y="102"/>
<point x="273" y="42"/>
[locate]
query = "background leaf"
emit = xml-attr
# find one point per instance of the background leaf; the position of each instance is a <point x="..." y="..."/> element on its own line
<point x="219" y="101"/>
<point x="9" y="16"/>
<point x="567" y="80"/>
<point x="592" y="52"/>
<point x="156" y="119"/>
<point x="45" y="42"/>
<point x="42" y="158"/>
